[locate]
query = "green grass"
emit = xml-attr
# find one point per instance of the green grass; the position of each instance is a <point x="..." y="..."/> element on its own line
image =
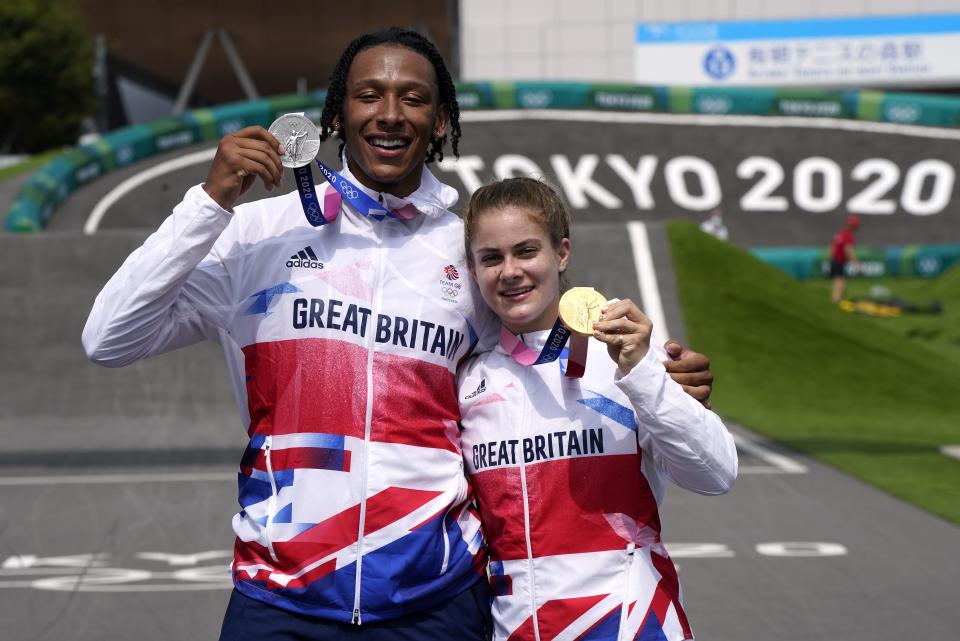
<point x="852" y="391"/>
<point x="30" y="164"/>
<point x="936" y="331"/>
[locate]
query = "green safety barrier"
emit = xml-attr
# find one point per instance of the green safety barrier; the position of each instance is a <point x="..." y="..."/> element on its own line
<point x="912" y="109"/>
<point x="172" y="133"/>
<point x="311" y="105"/>
<point x="59" y="177"/>
<point x="799" y="262"/>
<point x="763" y="101"/>
<point x="478" y="95"/>
<point x="620" y="97"/>
<point x="25" y="214"/>
<point x="814" y="103"/>
<point x="232" y="117"/>
<point x="729" y="101"/>
<point x="924" y="261"/>
<point x="56" y="180"/>
<point x="125" y="146"/>
<point x="552" y="95"/>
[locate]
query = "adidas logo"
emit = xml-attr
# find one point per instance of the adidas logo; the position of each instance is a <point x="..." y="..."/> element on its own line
<point x="480" y="390"/>
<point x="305" y="258"/>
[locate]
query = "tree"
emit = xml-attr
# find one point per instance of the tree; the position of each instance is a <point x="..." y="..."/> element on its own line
<point x="46" y="75"/>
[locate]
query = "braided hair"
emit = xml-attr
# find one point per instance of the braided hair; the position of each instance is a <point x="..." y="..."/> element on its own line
<point x="394" y="36"/>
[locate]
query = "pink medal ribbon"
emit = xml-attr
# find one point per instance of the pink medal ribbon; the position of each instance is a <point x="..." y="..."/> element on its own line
<point x="332" y="201"/>
<point x="338" y="189"/>
<point x="552" y="349"/>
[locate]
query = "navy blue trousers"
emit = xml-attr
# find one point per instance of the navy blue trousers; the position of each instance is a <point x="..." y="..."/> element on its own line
<point x="465" y="617"/>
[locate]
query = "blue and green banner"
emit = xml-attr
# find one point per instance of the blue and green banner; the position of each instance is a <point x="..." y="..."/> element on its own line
<point x="923" y="261"/>
<point x="813" y="52"/>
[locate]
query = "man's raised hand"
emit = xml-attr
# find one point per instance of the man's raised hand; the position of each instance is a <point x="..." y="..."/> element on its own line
<point x="240" y="158"/>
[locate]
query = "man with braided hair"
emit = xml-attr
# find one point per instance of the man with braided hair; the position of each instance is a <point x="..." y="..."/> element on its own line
<point x="342" y="343"/>
<point x="336" y="90"/>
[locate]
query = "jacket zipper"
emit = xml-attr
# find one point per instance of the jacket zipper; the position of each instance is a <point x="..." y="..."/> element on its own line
<point x="272" y="503"/>
<point x="526" y="522"/>
<point x="446" y="515"/>
<point x="368" y="418"/>
<point x="446" y="542"/>
<point x="631" y="552"/>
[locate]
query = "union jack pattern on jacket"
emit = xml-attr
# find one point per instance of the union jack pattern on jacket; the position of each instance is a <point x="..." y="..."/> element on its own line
<point x="568" y="475"/>
<point x="342" y="344"/>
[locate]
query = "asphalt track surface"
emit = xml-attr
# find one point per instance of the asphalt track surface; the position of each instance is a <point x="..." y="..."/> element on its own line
<point x="117" y="486"/>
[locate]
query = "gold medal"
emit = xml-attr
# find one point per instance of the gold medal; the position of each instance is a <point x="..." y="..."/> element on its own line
<point x="580" y="309"/>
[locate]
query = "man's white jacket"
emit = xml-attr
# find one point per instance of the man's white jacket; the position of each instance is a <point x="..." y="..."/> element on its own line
<point x="342" y="343"/>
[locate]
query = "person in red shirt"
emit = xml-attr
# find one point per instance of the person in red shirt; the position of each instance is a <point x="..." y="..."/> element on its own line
<point x="841" y="253"/>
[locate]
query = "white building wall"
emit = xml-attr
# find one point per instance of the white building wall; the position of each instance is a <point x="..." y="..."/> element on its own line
<point x="593" y="39"/>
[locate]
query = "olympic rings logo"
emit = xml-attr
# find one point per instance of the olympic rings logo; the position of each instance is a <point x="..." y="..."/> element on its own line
<point x="536" y="99"/>
<point x="906" y="112"/>
<point x="451" y="292"/>
<point x="349" y="191"/>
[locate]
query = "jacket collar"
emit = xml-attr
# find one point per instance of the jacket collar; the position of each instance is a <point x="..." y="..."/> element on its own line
<point x="534" y="340"/>
<point x="432" y="198"/>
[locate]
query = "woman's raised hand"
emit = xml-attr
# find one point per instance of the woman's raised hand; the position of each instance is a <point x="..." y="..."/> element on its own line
<point x="626" y="331"/>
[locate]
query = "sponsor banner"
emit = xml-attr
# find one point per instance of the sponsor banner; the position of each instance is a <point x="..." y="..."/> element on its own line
<point x="477" y="95"/>
<point x="127" y="145"/>
<point x="839" y="52"/>
<point x="814" y="104"/>
<point x="619" y="97"/>
<point x="25" y="215"/>
<point x="55" y="181"/>
<point x="911" y="109"/>
<point x="925" y="261"/>
<point x="237" y="115"/>
<point x="735" y="100"/>
<point x="799" y="262"/>
<point x="49" y="186"/>
<point x="777" y="182"/>
<point x="86" y="164"/>
<point x="732" y="101"/>
<point x="551" y="95"/>
<point x="171" y="133"/>
<point x="203" y="122"/>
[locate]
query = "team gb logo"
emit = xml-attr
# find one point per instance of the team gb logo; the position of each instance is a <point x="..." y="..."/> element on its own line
<point x="449" y="287"/>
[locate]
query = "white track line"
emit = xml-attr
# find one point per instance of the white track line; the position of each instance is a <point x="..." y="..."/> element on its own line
<point x="647" y="277"/>
<point x="83" y="479"/>
<point x="783" y="464"/>
<point x="134" y="181"/>
<point x="762" y="469"/>
<point x="953" y="451"/>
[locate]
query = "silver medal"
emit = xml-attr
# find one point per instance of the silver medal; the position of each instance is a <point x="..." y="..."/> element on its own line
<point x="299" y="138"/>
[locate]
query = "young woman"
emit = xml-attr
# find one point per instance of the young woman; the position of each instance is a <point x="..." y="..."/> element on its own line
<point x="569" y="471"/>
